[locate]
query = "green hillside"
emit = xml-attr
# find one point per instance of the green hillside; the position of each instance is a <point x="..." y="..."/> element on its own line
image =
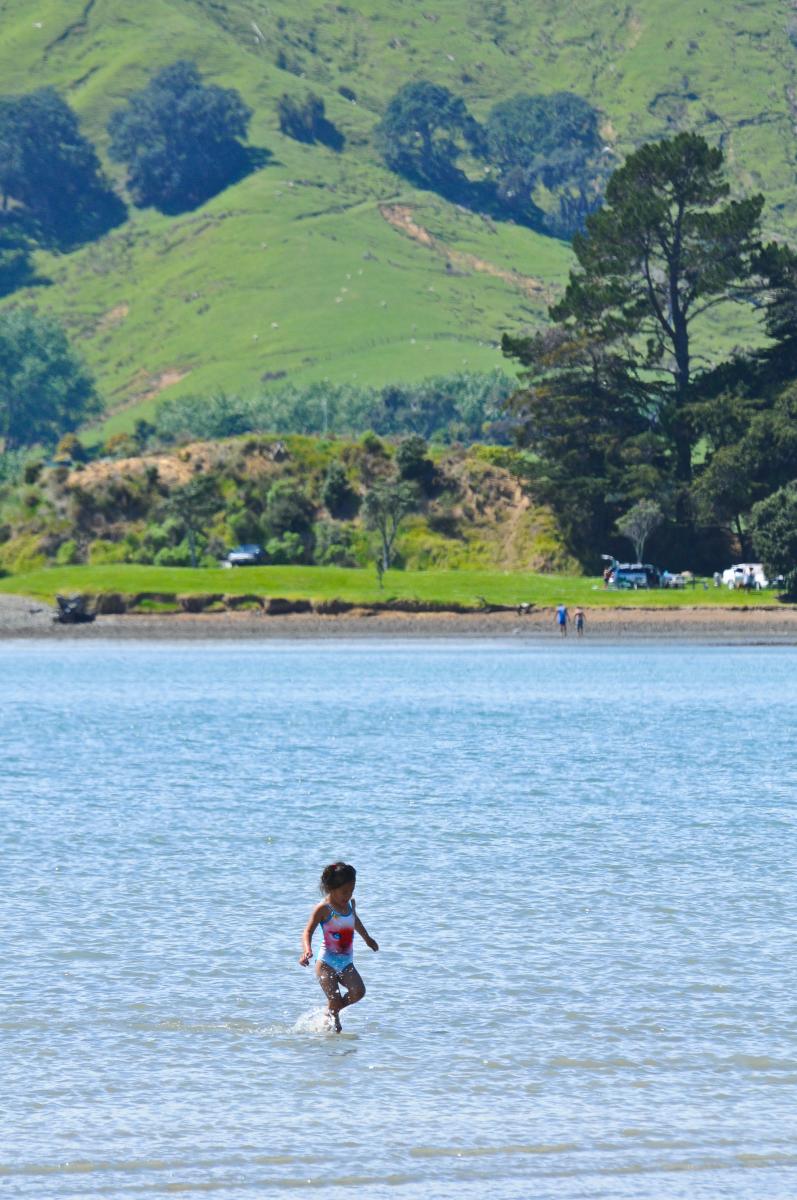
<point x="325" y="265"/>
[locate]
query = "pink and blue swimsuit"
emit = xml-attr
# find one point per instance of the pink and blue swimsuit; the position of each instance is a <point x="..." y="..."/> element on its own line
<point x="337" y="951"/>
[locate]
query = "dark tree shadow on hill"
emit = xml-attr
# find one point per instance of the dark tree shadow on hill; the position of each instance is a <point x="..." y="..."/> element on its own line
<point x="94" y="214"/>
<point x="229" y="168"/>
<point x="306" y="121"/>
<point x="17" y="269"/>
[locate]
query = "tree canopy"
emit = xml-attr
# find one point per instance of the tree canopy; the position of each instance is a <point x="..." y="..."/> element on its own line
<point x="774" y="529"/>
<point x="667" y="246"/>
<point x="620" y="366"/>
<point x="50" y="173"/>
<point x="464" y="407"/>
<point x="540" y="144"/>
<point x="179" y="138"/>
<point x="423" y="134"/>
<point x="385" y="506"/>
<point x="45" y="390"/>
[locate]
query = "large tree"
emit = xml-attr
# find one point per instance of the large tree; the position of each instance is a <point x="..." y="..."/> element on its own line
<point x="180" y="139"/>
<point x="50" y="173"/>
<point x="546" y="152"/>
<point x="667" y="246"/>
<point x="423" y="134"/>
<point x="750" y="449"/>
<point x="774" y="529"/>
<point x="45" y="389"/>
<point x="594" y="449"/>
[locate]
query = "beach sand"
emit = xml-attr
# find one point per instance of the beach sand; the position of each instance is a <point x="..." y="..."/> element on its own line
<point x="24" y="617"/>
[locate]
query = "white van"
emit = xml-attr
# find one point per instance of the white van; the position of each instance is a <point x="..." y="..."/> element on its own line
<point x="749" y="575"/>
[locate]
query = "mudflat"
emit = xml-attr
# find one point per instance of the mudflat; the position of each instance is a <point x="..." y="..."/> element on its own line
<point x="23" y="616"/>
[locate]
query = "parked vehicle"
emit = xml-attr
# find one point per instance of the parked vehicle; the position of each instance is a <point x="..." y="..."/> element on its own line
<point x="745" y="575"/>
<point x="633" y="575"/>
<point x="250" y="555"/>
<point x="671" y="580"/>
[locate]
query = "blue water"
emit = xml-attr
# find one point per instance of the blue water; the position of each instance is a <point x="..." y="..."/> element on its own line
<point x="578" y="861"/>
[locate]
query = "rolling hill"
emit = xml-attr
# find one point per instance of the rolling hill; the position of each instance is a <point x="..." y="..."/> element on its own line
<point x="328" y="266"/>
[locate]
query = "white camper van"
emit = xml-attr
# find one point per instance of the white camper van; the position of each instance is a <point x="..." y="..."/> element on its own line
<point x="745" y="575"/>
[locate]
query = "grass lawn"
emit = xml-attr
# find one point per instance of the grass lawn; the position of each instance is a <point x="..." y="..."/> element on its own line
<point x="360" y="586"/>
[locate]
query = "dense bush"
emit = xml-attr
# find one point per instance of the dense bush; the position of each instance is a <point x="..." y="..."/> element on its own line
<point x="338" y="496"/>
<point x="414" y="464"/>
<point x="288" y="510"/>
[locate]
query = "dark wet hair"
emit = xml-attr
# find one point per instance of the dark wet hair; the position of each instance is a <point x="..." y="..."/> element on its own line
<point x="336" y="875"/>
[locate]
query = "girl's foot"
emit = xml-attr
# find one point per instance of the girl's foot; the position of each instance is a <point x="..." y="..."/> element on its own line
<point x="334" y="1020"/>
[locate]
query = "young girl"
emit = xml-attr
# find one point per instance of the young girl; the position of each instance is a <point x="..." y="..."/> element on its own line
<point x="338" y="920"/>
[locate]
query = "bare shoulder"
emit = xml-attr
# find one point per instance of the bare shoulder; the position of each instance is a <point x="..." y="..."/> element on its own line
<point x="321" y="912"/>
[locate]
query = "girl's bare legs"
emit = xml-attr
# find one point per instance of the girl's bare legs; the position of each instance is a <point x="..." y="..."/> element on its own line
<point x="355" y="990"/>
<point x="329" y="982"/>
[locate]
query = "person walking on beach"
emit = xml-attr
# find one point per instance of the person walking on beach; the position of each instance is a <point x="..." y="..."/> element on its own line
<point x="338" y="920"/>
<point x="578" y="620"/>
<point x="562" y="619"/>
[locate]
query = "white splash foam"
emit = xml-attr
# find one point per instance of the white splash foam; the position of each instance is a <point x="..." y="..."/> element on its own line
<point x="316" y="1020"/>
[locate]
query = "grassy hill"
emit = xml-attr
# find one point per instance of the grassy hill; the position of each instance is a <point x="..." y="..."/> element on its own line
<point x="327" y="266"/>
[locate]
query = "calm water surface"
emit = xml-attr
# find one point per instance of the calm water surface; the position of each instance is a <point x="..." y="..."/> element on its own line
<point x="578" y="860"/>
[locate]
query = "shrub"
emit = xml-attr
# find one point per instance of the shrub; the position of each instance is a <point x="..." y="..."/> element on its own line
<point x="334" y="545"/>
<point x="174" y="556"/>
<point x="120" y="445"/>
<point x="70" y="449"/>
<point x="413" y="463"/>
<point x="290" y="548"/>
<point x="288" y="510"/>
<point x="338" y="496"/>
<point x="103" y="552"/>
<point x="67" y="553"/>
<point x="22" y="553"/>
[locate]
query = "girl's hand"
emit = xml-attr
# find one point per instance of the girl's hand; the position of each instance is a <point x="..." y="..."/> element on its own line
<point x="373" y="945"/>
<point x="304" y="959"/>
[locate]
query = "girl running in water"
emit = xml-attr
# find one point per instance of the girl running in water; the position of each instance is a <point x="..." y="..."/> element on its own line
<point x="338" y="920"/>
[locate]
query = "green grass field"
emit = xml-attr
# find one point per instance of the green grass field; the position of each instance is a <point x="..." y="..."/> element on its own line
<point x="361" y="587"/>
<point x="295" y="270"/>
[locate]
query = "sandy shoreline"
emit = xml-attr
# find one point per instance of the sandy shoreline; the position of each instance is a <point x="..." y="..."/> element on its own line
<point x="24" y="617"/>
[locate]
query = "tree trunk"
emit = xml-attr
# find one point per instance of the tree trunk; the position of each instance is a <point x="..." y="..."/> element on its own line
<point x="680" y="346"/>
<point x="741" y="537"/>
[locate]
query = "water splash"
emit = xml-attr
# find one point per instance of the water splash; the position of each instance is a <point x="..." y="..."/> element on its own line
<point x="314" y="1021"/>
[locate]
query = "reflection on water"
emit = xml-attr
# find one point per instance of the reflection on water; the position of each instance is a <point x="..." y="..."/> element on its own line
<point x="577" y="862"/>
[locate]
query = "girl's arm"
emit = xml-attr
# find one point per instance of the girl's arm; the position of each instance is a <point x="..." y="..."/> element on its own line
<point x="363" y="932"/>
<point x="317" y="915"/>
